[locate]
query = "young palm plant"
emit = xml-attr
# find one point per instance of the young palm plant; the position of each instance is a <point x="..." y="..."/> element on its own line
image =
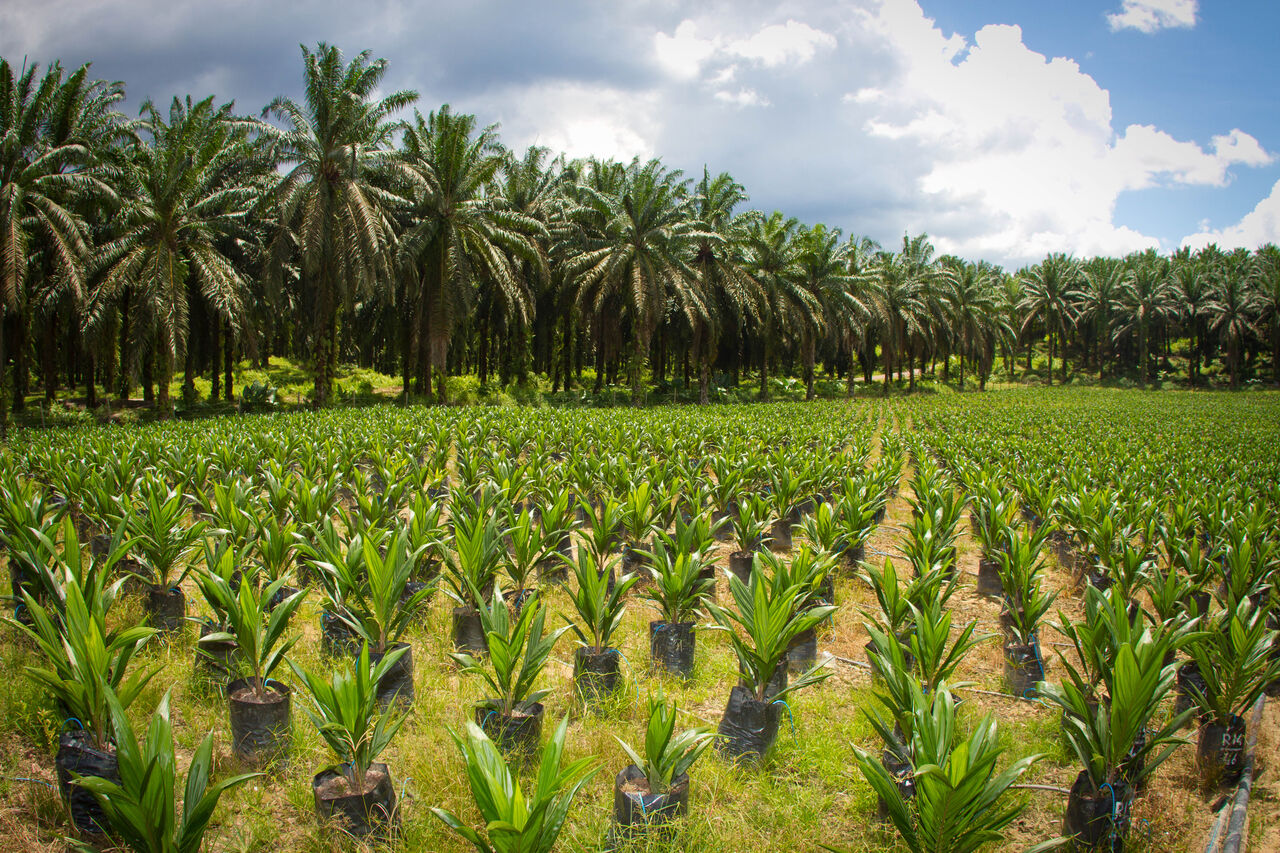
<point x="513" y="821"/>
<point x="357" y="792"/>
<point x="761" y="627"/>
<point x="678" y="589"/>
<point x="260" y="706"/>
<point x="86" y="668"/>
<point x="140" y="807"/>
<point x="750" y="524"/>
<point x="163" y="541"/>
<point x="654" y="788"/>
<point x="470" y="569"/>
<point x="1234" y="655"/>
<point x="518" y="652"/>
<point x="956" y="807"/>
<point x="597" y="666"/>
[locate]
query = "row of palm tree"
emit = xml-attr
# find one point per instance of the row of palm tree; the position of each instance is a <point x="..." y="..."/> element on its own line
<point x="333" y="231"/>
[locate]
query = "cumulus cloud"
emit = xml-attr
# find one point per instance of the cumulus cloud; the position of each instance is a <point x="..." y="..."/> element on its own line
<point x="1150" y="15"/>
<point x="1258" y="227"/>
<point x="863" y="114"/>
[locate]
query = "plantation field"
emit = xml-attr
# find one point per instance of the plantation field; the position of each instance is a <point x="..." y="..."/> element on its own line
<point x="1149" y="495"/>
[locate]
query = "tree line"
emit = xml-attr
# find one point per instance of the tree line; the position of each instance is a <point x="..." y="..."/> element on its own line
<point x="330" y="229"/>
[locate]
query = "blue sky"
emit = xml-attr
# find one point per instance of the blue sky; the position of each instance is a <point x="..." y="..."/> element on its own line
<point x="1005" y="129"/>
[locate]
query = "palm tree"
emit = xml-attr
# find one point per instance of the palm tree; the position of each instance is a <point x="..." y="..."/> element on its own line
<point x="854" y="324"/>
<point x="1189" y="292"/>
<point x="1266" y="281"/>
<point x="333" y="207"/>
<point x="1144" y="298"/>
<point x="771" y="257"/>
<point x="1050" y="286"/>
<point x="1230" y="309"/>
<point x="1096" y="301"/>
<point x="48" y="169"/>
<point x="899" y="307"/>
<point x="730" y="293"/>
<point x="643" y="255"/>
<point x="968" y="291"/>
<point x="457" y="239"/>
<point x="822" y="272"/>
<point x="182" y="197"/>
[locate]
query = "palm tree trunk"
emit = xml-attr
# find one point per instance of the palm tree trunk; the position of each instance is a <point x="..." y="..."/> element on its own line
<point x="853" y="364"/>
<point x="639" y="351"/>
<point x="764" y="369"/>
<point x="1049" y="373"/>
<point x="228" y="362"/>
<point x="810" y="346"/>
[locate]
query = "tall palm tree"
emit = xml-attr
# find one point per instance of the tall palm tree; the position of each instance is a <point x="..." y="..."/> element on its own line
<point x="48" y="168"/>
<point x="730" y="293"/>
<point x="457" y="239"/>
<point x="1231" y="308"/>
<point x="333" y="205"/>
<point x="1266" y="281"/>
<point x="1189" y="293"/>
<point x="182" y="198"/>
<point x="1144" y="300"/>
<point x="771" y="252"/>
<point x="900" y="310"/>
<point x="644" y="255"/>
<point x="822" y="271"/>
<point x="1096" y="299"/>
<point x="1050" y="286"/>
<point x="968" y="291"/>
<point x="855" y="322"/>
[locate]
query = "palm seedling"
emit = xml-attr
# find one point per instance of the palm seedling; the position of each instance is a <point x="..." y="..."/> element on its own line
<point x="935" y="653"/>
<point x="654" y="788"/>
<point x="380" y="611"/>
<point x="1026" y="604"/>
<point x="678" y="589"/>
<point x="786" y="489"/>
<point x="336" y="563"/>
<point x="597" y="666"/>
<point x="994" y="514"/>
<point x="140" y="808"/>
<point x="1113" y="735"/>
<point x="954" y="803"/>
<point x="85" y="669"/>
<point x="558" y="521"/>
<point x="1234" y="658"/>
<point x="895" y="615"/>
<point x="513" y="821"/>
<point x="761" y="627"/>
<point x="470" y="570"/>
<point x="163" y="542"/>
<point x="357" y="727"/>
<point x="640" y="516"/>
<point x="527" y="546"/>
<point x="260" y="706"/>
<point x="750" y="524"/>
<point x="518" y="652"/>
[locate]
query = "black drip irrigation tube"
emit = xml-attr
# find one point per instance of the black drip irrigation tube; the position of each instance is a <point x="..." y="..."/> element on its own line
<point x="1234" y="817"/>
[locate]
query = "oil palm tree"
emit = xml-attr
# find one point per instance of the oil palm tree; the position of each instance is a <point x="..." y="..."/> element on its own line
<point x="898" y="307"/>
<point x="1144" y="300"/>
<point x="182" y="197"/>
<point x="48" y="167"/>
<point x="458" y="241"/>
<point x="822" y="272"/>
<point x="1266" y="290"/>
<point x="644" y="254"/>
<point x="332" y="202"/>
<point x="771" y="253"/>
<point x="1048" y="299"/>
<point x="1230" y="310"/>
<point x="731" y="295"/>
<point x="1096" y="300"/>
<point x="968" y="293"/>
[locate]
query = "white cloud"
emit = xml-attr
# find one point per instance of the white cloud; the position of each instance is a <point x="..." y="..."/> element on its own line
<point x="683" y="53"/>
<point x="580" y="120"/>
<point x="780" y="44"/>
<point x="1021" y="143"/>
<point x="1258" y="227"/>
<point x="742" y="98"/>
<point x="1150" y="15"/>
